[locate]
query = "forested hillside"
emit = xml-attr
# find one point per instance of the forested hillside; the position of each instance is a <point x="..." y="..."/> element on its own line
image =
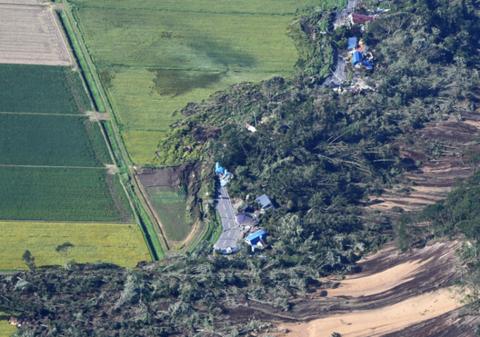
<point x="317" y="152"/>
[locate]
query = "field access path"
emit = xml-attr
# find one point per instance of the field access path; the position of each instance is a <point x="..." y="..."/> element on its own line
<point x="143" y="215"/>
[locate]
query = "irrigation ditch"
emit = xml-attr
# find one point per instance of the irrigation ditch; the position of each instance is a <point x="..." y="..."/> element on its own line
<point x="143" y="215"/>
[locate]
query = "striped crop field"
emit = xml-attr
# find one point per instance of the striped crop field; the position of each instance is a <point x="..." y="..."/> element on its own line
<point x="59" y="140"/>
<point x="153" y="57"/>
<point x="61" y="194"/>
<point x="57" y="185"/>
<point x="43" y="89"/>
<point x="60" y="243"/>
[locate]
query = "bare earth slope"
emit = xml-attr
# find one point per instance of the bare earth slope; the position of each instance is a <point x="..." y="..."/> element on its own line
<point x="394" y="292"/>
<point x="400" y="294"/>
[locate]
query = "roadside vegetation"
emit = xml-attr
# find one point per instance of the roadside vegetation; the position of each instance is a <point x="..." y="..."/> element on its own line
<point x="317" y="153"/>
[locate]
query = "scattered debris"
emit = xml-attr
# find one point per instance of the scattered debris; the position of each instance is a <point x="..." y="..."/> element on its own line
<point x="15" y="322"/>
<point x="223" y="174"/>
<point x="250" y="128"/>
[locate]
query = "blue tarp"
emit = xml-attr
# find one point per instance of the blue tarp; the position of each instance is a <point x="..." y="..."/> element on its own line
<point x="256" y="237"/>
<point x="352" y="43"/>
<point x="357" y="58"/>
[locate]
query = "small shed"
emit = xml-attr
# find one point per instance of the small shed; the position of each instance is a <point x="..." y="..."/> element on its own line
<point x="352" y="43"/>
<point x="356" y="57"/>
<point x="264" y="202"/>
<point x="256" y="240"/>
<point x="361" y="19"/>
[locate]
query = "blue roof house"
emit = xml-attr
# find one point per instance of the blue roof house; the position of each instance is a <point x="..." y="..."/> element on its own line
<point x="356" y="58"/>
<point x="256" y="240"/>
<point x="352" y="43"/>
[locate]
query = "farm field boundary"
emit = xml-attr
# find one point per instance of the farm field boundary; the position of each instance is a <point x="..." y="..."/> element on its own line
<point x="62" y="242"/>
<point x="55" y="164"/>
<point x="152" y="232"/>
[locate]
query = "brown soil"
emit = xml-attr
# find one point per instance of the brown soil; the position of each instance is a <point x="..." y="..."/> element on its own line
<point x="183" y="176"/>
<point x="378" y="322"/>
<point x="437" y="173"/>
<point x="167" y="177"/>
<point x="31" y="34"/>
<point x="398" y="294"/>
<point x="366" y="285"/>
<point x="394" y="292"/>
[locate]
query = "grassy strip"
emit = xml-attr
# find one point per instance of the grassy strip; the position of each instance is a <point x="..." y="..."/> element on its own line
<point x="88" y="77"/>
<point x="112" y="134"/>
<point x="171" y="205"/>
<point x="6" y="330"/>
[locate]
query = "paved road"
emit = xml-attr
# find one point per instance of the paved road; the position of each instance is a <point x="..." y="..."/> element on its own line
<point x="340" y="75"/>
<point x="232" y="233"/>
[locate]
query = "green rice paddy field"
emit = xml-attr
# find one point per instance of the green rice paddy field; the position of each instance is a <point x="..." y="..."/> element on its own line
<point x="6" y="330"/>
<point x="171" y="206"/>
<point x="43" y="89"/>
<point x="61" y="194"/>
<point x="60" y="243"/>
<point x="154" y="56"/>
<point x="53" y="169"/>
<point x="33" y="139"/>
